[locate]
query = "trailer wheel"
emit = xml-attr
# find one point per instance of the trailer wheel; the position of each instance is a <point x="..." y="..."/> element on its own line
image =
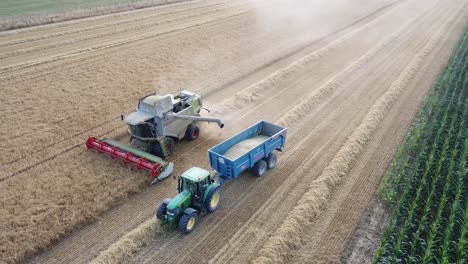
<point x="192" y="132"/>
<point x="213" y="200"/>
<point x="161" y="212"/>
<point x="188" y="221"/>
<point x="271" y="161"/>
<point x="260" y="168"/>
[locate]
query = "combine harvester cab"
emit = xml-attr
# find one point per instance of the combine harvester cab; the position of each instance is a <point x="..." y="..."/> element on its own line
<point x="161" y="120"/>
<point x="199" y="193"/>
<point x="157" y="168"/>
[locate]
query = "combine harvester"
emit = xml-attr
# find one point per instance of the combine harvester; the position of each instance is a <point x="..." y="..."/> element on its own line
<point x="155" y="125"/>
<point x="199" y="193"/>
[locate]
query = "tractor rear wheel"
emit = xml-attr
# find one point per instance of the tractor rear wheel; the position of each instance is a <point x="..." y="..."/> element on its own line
<point x="192" y="132"/>
<point x="188" y="221"/>
<point x="161" y="212"/>
<point x="271" y="161"/>
<point x="260" y="168"/>
<point x="213" y="200"/>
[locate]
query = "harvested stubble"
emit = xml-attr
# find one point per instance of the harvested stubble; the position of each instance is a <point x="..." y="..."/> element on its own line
<point x="288" y="235"/>
<point x="35" y="224"/>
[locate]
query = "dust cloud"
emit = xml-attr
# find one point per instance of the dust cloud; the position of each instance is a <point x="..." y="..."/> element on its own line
<point x="305" y="20"/>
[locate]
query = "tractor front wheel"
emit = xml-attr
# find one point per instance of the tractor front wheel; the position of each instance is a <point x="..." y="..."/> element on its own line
<point x="192" y="132"/>
<point x="188" y="221"/>
<point x="161" y="212"/>
<point x="213" y="200"/>
<point x="260" y="168"/>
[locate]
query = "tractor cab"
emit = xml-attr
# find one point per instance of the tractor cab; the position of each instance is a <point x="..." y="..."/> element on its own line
<point x="194" y="180"/>
<point x="198" y="195"/>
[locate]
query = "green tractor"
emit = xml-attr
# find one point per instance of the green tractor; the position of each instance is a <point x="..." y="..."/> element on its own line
<point x="198" y="194"/>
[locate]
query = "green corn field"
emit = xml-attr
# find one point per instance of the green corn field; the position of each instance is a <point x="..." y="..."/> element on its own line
<point x="427" y="184"/>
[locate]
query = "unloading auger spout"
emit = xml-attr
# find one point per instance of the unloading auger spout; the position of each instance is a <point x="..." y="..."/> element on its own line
<point x="198" y="118"/>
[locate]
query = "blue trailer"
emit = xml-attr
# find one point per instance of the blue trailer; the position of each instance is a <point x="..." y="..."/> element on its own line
<point x="250" y="149"/>
<point x="200" y="194"/>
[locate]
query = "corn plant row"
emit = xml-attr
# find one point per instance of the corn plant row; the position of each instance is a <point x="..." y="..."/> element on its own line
<point x="429" y="176"/>
<point x="412" y="144"/>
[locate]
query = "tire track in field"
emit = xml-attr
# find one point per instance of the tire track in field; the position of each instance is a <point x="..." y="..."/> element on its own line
<point x="84" y="21"/>
<point x="100" y="22"/>
<point x="137" y="37"/>
<point x="118" y="30"/>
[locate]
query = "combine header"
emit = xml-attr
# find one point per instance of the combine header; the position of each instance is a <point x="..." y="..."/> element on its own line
<point x="157" y="168"/>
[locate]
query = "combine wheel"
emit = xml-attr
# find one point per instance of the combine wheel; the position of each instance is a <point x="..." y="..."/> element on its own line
<point x="260" y="168"/>
<point x="271" y="161"/>
<point x="169" y="144"/>
<point x="188" y="220"/>
<point x="161" y="212"/>
<point x="192" y="132"/>
<point x="213" y="200"/>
